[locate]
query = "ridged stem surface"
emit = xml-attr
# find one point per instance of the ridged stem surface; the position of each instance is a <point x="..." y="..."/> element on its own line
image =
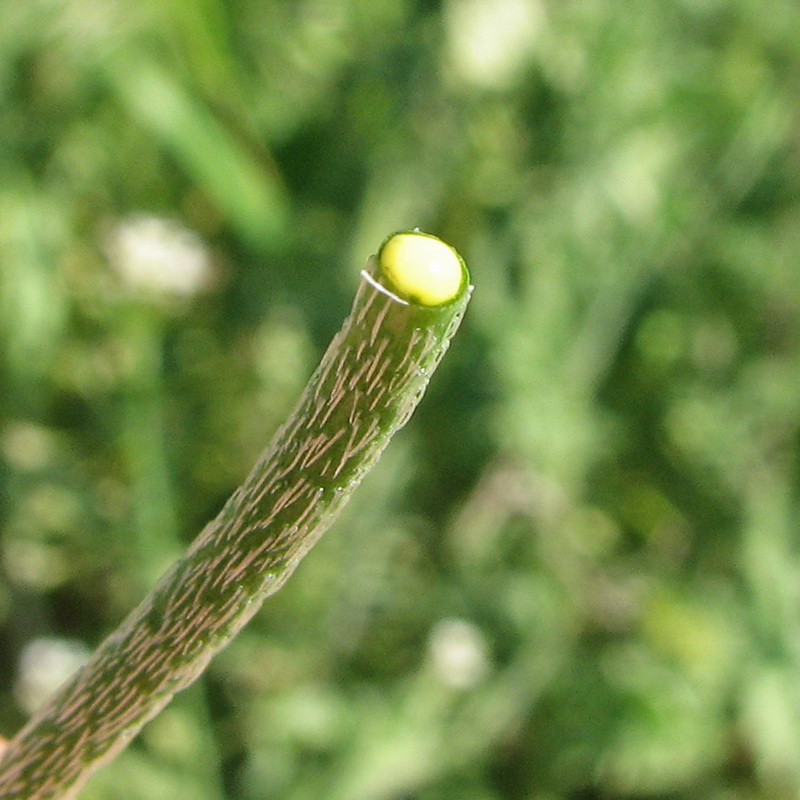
<point x="365" y="388"/>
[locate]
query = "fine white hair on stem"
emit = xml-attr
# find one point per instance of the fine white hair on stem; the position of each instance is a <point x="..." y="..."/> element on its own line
<point x="381" y="288"/>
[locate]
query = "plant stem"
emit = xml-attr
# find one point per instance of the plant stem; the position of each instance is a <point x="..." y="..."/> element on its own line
<point x="368" y="383"/>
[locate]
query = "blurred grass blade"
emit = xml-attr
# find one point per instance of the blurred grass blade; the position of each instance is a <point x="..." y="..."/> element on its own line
<point x="249" y="193"/>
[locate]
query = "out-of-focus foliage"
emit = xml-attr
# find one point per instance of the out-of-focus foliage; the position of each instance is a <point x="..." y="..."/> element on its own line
<point x="576" y="574"/>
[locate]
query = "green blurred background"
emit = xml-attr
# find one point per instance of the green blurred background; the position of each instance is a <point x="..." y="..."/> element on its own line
<point x="576" y="573"/>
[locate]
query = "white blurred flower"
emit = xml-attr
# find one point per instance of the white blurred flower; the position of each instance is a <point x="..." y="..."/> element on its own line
<point x="490" y="42"/>
<point x="27" y="446"/>
<point x="44" y="665"/>
<point x="459" y="653"/>
<point x="159" y="256"/>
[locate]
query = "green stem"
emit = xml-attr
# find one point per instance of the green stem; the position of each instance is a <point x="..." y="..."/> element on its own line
<point x="367" y="385"/>
<point x="143" y="442"/>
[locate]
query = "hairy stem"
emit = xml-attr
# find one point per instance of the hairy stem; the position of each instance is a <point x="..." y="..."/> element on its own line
<point x="367" y="385"/>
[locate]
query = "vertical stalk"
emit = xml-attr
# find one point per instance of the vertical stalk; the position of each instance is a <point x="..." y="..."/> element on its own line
<point x="407" y="308"/>
<point x="143" y="443"/>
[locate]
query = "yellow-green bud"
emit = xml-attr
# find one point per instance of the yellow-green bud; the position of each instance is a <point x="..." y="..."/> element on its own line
<point x="421" y="268"/>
